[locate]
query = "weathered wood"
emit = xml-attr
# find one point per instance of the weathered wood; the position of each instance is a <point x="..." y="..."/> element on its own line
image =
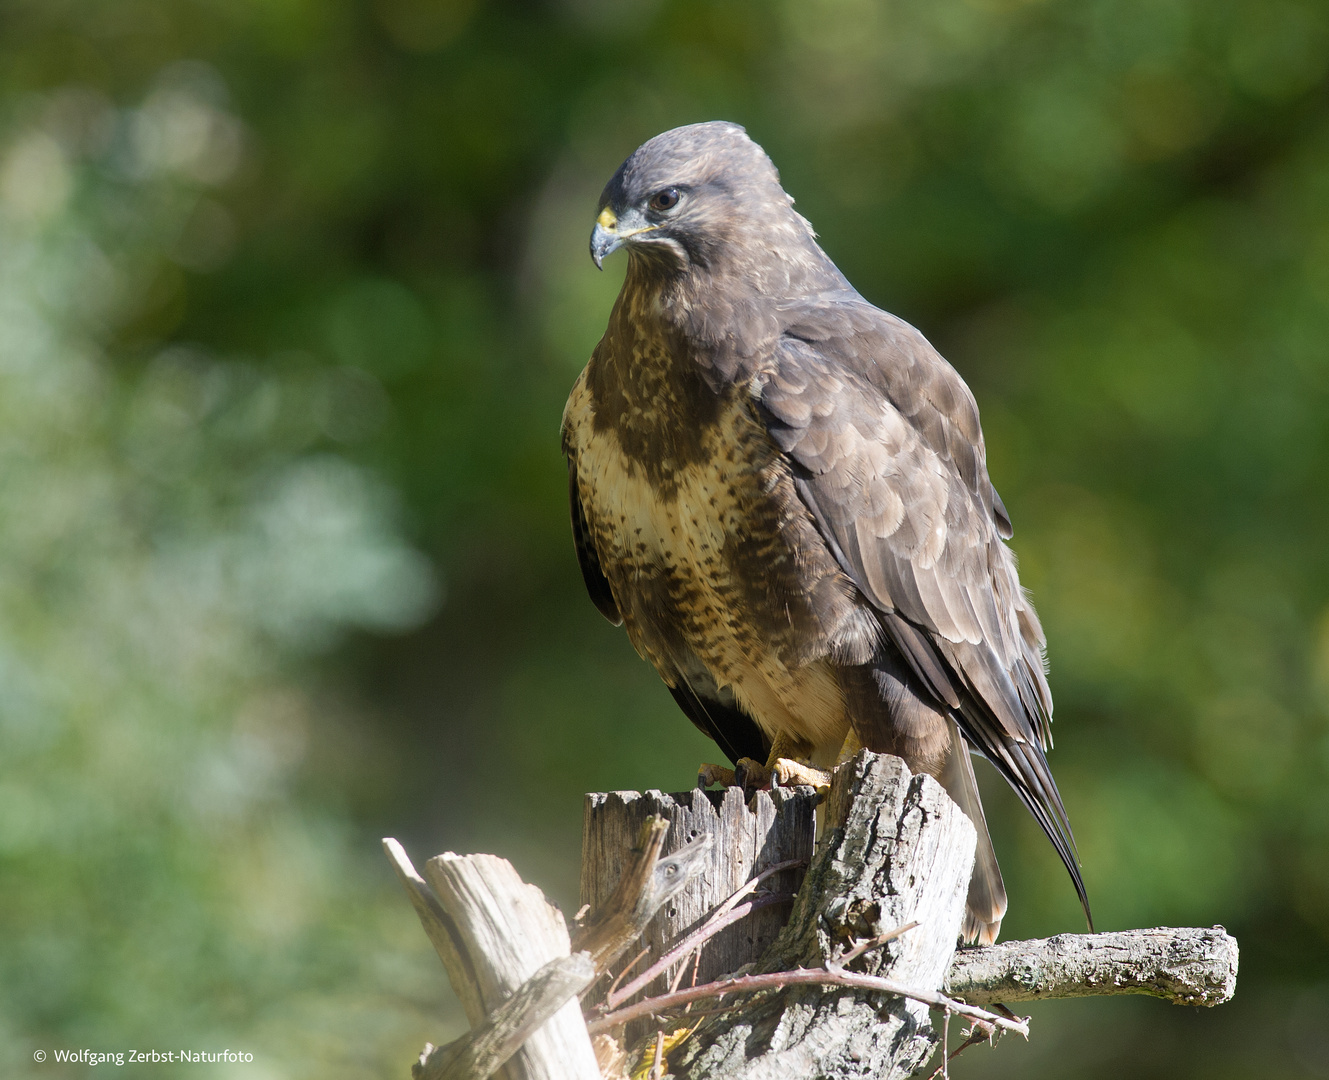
<point x="836" y="994"/>
<point x="898" y="850"/>
<point x="779" y="827"/>
<point x="480" y="962"/>
<point x="646" y="883"/>
<point x="483" y="1051"/>
<point x="1186" y="966"/>
<point x="509" y="932"/>
<point x="442" y="932"/>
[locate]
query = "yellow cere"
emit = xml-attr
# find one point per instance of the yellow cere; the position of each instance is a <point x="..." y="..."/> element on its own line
<point x="607" y="219"/>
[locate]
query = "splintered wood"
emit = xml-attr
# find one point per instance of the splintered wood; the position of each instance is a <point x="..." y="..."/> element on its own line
<point x="779" y="828"/>
<point x="493" y="933"/>
<point x="896" y="850"/>
<point x="854" y="976"/>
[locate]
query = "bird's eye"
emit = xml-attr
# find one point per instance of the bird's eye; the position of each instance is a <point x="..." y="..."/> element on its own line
<point x="664" y="200"/>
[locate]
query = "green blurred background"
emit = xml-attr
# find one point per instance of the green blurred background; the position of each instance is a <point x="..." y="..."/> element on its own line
<point x="291" y="295"/>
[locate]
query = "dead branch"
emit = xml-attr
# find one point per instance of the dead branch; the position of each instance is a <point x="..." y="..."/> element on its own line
<point x="646" y="884"/>
<point x="1186" y="966"/>
<point x="441" y="930"/>
<point x="483" y="1051"/>
<point x="487" y="925"/>
<point x="824" y="976"/>
<point x="895" y="852"/>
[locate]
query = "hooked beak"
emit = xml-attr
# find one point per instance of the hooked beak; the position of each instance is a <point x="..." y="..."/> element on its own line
<point x="610" y="234"/>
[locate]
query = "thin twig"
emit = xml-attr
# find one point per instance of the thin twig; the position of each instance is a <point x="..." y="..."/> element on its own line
<point x="716" y="922"/>
<point x="696" y="963"/>
<point x="825" y="976"/>
<point x="682" y="970"/>
<point x="624" y="973"/>
<point x="751" y="885"/>
<point x="875" y="943"/>
<point x="694" y="941"/>
<point x="657" y="1069"/>
<point x="980" y="1032"/>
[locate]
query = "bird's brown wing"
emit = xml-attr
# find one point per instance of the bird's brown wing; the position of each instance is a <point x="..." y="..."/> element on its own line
<point x="888" y="457"/>
<point x="717" y="715"/>
<point x="596" y="582"/>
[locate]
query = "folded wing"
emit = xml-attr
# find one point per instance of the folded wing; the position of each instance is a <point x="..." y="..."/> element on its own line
<point x="888" y="458"/>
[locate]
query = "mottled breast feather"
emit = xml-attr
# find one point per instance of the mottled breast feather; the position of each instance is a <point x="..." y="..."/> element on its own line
<point x="714" y="563"/>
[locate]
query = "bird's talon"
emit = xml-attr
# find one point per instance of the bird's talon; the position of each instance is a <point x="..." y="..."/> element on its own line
<point x="708" y="775"/>
<point x="794" y="774"/>
<point x="751" y="775"/>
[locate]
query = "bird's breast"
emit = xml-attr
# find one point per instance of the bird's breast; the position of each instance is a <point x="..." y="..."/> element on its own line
<point x="711" y="557"/>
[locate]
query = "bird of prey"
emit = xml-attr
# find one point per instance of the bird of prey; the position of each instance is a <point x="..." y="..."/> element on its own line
<point x="781" y="492"/>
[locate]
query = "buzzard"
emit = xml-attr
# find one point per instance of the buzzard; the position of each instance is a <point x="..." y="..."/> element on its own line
<point x="781" y="492"/>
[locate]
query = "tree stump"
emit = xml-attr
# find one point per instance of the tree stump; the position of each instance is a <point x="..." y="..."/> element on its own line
<point x="896" y="850"/>
<point x="844" y="990"/>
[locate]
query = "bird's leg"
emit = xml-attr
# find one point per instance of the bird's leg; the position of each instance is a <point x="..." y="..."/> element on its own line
<point x="782" y="769"/>
<point x="851" y="746"/>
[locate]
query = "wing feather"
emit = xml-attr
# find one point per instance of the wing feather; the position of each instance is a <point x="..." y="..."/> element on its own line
<point x="888" y="455"/>
<point x="717" y="715"/>
<point x="597" y="585"/>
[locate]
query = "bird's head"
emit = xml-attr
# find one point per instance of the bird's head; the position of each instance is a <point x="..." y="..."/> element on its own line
<point x="680" y="199"/>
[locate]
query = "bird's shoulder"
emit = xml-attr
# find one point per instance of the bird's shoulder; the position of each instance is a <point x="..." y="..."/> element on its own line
<point x="887" y="360"/>
<point x="889" y="456"/>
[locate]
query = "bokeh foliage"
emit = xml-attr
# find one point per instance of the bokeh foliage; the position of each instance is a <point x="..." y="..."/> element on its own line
<point x="291" y="294"/>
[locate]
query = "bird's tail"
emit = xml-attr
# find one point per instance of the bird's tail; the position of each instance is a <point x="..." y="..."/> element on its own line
<point x="986" y="903"/>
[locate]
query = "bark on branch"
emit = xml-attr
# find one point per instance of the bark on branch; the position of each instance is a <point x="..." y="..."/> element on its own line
<point x="895" y="850"/>
<point x="1186" y="966"/>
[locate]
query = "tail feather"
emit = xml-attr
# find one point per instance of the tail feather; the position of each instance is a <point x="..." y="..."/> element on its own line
<point x="986" y="904"/>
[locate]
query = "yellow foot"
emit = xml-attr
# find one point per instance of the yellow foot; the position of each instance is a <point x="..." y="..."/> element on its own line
<point x="714" y="774"/>
<point x="784" y="772"/>
<point x="793" y="774"/>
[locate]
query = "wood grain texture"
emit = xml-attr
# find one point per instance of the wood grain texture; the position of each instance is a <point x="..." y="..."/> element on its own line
<point x="1186" y="966"/>
<point x="743" y="843"/>
<point x="442" y="932"/>
<point x="510" y="931"/>
<point x="486" y="1049"/>
<point x="899" y="850"/>
<point x="646" y="883"/>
